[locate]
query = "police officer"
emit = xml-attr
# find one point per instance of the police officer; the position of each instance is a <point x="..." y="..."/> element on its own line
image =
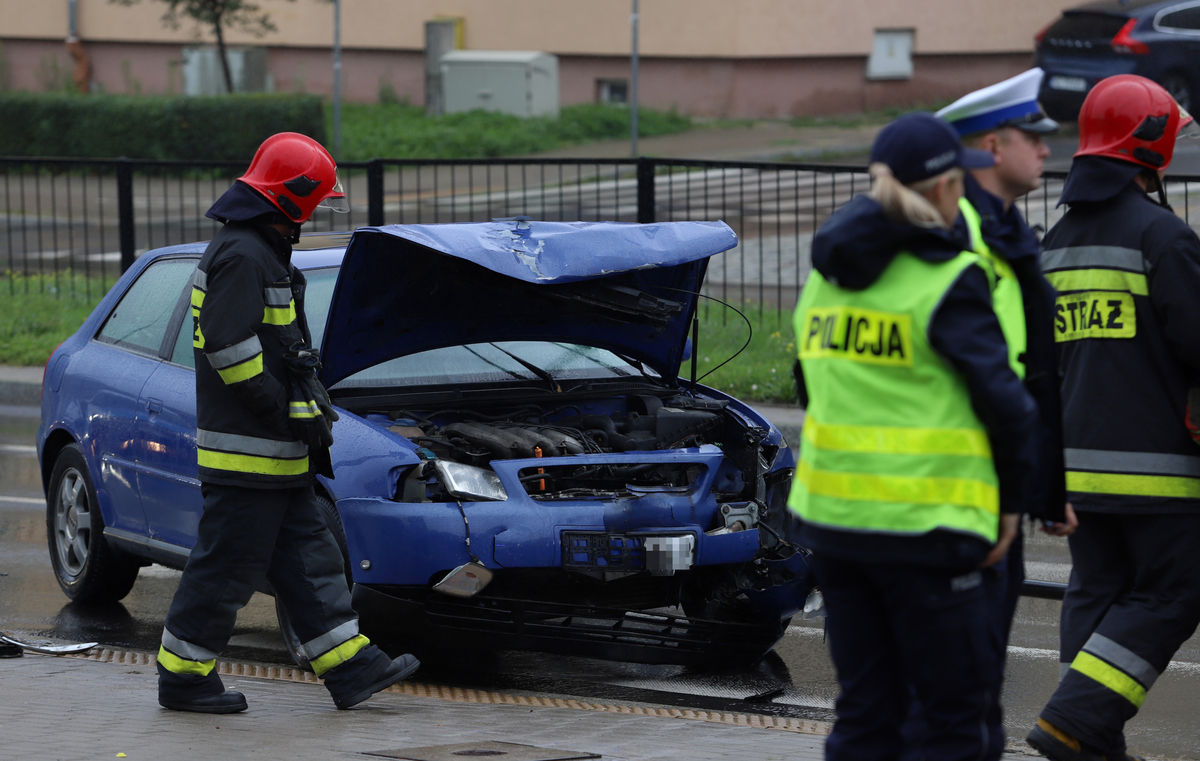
<point x="917" y="435"/>
<point x="255" y="439"/>
<point x="1127" y="271"/>
<point x="1006" y="121"/>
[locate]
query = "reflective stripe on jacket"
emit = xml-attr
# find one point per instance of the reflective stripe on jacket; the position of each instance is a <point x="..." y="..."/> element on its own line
<point x="1123" y="327"/>
<point x="245" y="316"/>
<point x="891" y="444"/>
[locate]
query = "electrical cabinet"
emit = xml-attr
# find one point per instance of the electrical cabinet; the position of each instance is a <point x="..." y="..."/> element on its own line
<point x="522" y="83"/>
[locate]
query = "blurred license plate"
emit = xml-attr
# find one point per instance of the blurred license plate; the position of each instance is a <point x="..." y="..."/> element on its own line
<point x="1074" y="84"/>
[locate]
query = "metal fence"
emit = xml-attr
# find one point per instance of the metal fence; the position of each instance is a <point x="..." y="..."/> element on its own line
<point x="81" y="222"/>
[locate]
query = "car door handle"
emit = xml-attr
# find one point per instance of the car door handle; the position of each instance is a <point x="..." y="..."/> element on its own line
<point x="154" y="406"/>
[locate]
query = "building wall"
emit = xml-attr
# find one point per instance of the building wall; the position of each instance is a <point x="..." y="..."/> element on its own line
<point x="750" y="59"/>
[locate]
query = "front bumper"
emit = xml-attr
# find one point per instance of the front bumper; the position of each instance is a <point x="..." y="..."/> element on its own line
<point x="407" y="618"/>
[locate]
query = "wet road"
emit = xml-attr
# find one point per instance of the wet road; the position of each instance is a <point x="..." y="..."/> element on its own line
<point x="796" y="680"/>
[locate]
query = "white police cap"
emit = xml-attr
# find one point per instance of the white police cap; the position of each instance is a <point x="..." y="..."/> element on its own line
<point x="1011" y="103"/>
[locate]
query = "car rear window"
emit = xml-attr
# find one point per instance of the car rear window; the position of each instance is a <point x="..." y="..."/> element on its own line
<point x="1186" y="18"/>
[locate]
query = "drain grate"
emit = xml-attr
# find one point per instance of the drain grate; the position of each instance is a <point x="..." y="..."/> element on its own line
<point x="498" y="750"/>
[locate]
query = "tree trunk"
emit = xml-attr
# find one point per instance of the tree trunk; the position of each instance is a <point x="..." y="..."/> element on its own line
<point x="218" y="23"/>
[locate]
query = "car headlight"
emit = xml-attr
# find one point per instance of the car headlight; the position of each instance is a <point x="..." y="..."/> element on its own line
<point x="469" y="482"/>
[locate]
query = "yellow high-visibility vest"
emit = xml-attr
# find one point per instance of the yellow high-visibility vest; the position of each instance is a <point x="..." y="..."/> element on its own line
<point x="890" y="442"/>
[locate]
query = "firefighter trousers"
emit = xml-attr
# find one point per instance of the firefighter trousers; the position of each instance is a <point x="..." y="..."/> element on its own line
<point x="251" y="536"/>
<point x="1133" y="598"/>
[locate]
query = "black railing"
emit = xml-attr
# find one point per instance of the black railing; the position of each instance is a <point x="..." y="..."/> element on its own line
<point x="85" y="221"/>
<point x="89" y="219"/>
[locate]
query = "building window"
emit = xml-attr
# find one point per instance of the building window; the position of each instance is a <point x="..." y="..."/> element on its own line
<point x="612" y="91"/>
<point x="891" y="55"/>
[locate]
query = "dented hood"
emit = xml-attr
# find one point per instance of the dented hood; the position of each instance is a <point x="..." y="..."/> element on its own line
<point x="628" y="288"/>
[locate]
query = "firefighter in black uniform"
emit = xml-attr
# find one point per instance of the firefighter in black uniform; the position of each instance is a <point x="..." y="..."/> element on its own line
<point x="1127" y="271"/>
<point x="261" y="415"/>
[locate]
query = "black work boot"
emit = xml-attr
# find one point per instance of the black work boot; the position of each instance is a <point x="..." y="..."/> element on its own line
<point x="368" y="672"/>
<point x="1057" y="745"/>
<point x="200" y="694"/>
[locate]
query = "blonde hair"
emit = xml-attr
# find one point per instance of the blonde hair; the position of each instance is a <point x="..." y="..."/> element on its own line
<point x="907" y="203"/>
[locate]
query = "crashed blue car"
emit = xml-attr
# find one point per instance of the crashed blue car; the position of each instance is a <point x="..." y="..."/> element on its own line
<point x="519" y="465"/>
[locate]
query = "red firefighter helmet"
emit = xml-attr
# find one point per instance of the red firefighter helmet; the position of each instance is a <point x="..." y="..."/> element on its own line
<point x="297" y="174"/>
<point x="1130" y="118"/>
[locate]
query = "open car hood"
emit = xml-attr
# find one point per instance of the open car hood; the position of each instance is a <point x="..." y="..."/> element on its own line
<point x="628" y="288"/>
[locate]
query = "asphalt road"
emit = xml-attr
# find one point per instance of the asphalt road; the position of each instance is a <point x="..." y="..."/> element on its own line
<point x="796" y="680"/>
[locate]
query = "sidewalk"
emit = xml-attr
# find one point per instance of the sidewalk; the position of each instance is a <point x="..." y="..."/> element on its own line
<point x="104" y="706"/>
<point x="21" y="386"/>
<point x="768" y="140"/>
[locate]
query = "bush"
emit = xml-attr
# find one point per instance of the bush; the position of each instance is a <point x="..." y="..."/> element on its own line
<point x="230" y="127"/>
<point x="206" y="128"/>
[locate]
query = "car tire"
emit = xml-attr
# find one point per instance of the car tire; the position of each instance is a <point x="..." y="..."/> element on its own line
<point x="87" y="567"/>
<point x="290" y="639"/>
<point x="1177" y="85"/>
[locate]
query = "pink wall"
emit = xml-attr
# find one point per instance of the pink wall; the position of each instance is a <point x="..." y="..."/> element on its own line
<point x="711" y="87"/>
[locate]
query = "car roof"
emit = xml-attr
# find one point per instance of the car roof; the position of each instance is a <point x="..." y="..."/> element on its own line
<point x="1121" y="7"/>
<point x="314" y="250"/>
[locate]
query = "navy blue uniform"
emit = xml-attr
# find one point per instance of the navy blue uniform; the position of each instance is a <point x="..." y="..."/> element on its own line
<point x="897" y="604"/>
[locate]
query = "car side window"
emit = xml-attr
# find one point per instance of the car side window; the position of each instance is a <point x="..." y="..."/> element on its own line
<point x="141" y="317"/>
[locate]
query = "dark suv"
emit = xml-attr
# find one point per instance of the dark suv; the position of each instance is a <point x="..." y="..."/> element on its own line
<point x="1158" y="39"/>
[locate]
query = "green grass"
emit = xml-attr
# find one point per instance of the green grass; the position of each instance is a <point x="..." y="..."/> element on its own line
<point x="37" y="312"/>
<point x="402" y="131"/>
<point x="762" y="372"/>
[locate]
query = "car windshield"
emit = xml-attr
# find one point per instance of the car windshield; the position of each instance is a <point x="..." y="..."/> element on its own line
<point x="499" y="361"/>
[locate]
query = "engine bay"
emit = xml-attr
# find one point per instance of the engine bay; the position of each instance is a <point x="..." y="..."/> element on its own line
<point x="633" y="423"/>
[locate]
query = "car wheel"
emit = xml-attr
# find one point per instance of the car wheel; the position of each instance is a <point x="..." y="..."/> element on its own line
<point x="1177" y="86"/>
<point x="87" y="567"/>
<point x="290" y="639"/>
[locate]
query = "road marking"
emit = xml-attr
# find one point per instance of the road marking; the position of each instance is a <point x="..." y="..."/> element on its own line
<point x="23" y="500"/>
<point x="18" y="449"/>
<point x="1187" y="667"/>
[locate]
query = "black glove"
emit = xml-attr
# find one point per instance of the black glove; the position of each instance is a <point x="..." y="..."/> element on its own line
<point x="310" y="413"/>
<point x="315" y="431"/>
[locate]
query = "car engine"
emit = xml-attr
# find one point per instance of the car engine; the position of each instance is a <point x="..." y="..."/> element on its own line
<point x="646" y="423"/>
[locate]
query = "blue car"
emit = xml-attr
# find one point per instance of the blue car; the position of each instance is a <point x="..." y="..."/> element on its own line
<point x="519" y="464"/>
<point x="1156" y="39"/>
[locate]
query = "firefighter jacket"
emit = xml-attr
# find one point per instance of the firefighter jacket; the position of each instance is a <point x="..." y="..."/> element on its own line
<point x="918" y="431"/>
<point x="247" y="309"/>
<point x="1024" y="302"/>
<point x="1127" y="271"/>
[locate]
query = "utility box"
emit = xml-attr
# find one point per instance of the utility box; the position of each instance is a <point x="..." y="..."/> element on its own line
<point x="522" y="83"/>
